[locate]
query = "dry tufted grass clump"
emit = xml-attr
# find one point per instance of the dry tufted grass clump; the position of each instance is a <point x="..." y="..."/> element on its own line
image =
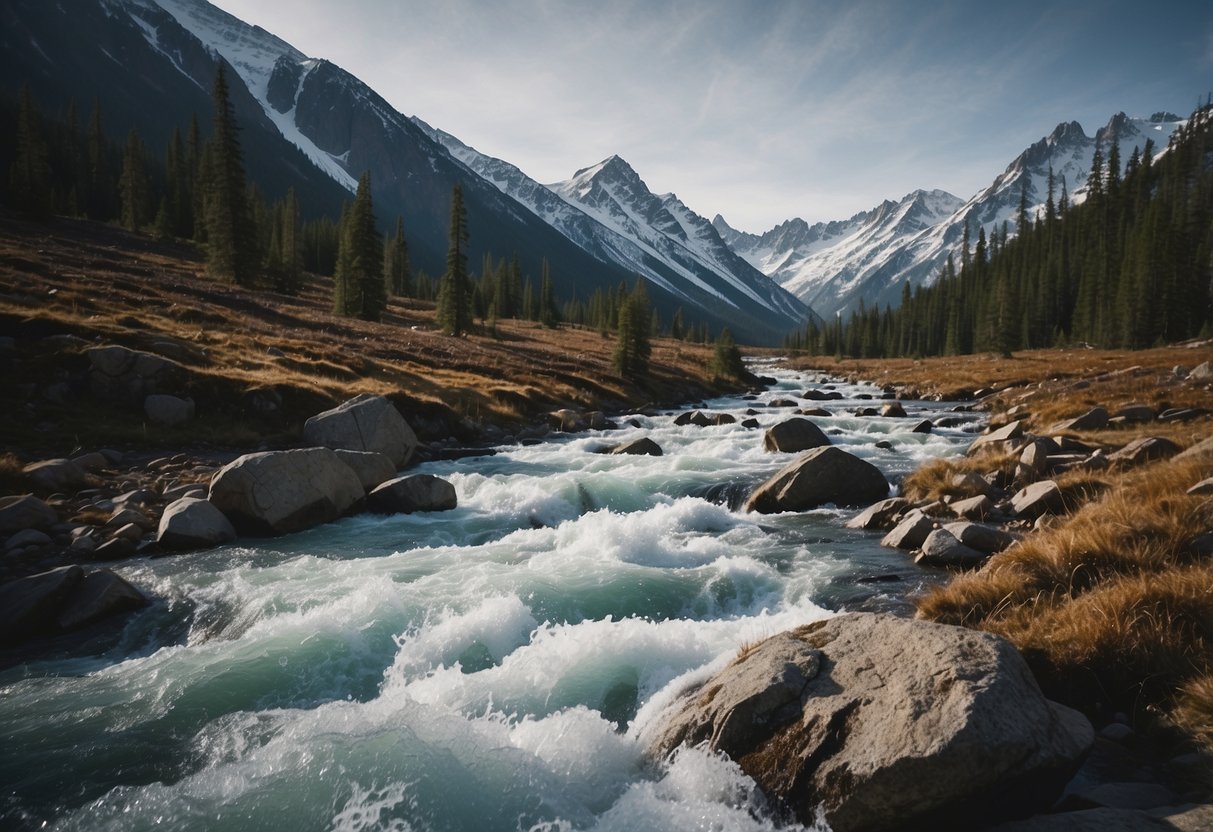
<point x="1113" y="605"/>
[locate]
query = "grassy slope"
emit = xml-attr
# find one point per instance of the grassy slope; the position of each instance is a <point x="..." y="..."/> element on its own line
<point x="109" y="287"/>
<point x="1112" y="604"/>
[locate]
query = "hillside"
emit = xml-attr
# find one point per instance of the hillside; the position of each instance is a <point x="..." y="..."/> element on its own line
<point x="73" y="284"/>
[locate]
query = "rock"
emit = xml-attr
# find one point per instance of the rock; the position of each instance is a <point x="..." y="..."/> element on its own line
<point x="28" y="606"/>
<point x="974" y="508"/>
<point x="970" y="483"/>
<point x="882" y="515"/>
<point x="364" y="423"/>
<point x="822" y="475"/>
<point x="419" y="492"/>
<point x="986" y="539"/>
<point x="1202" y="372"/>
<point x="56" y="476"/>
<point x="1094" y="419"/>
<point x="1204" y="487"/>
<point x="942" y="549"/>
<point x="1036" y="453"/>
<point x="1201" y="450"/>
<point x="814" y="411"/>
<point x="130" y="375"/>
<point x="1142" y="450"/>
<point x="893" y="410"/>
<point x="116" y="548"/>
<point x="821" y="395"/>
<point x="371" y="467"/>
<point x="994" y="439"/>
<point x="25" y="512"/>
<point x="1137" y="413"/>
<point x="781" y="403"/>
<point x="124" y="515"/>
<point x="885" y="723"/>
<point x="93" y="461"/>
<point x="724" y="419"/>
<point x="99" y="595"/>
<point x="1037" y="499"/>
<point x="276" y="492"/>
<point x="169" y="411"/>
<point x="693" y="417"/>
<point x="793" y="436"/>
<point x="27" y="537"/>
<point x="639" y="447"/>
<point x="190" y="523"/>
<point x="750" y="423"/>
<point x="188" y="489"/>
<point x="910" y="533"/>
<point x="925" y="426"/>
<point x="131" y="532"/>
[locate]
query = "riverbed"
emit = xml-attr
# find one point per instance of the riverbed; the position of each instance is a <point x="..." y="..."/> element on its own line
<point x="494" y="667"/>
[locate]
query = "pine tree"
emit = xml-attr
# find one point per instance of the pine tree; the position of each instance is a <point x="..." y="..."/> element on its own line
<point x="397" y="271"/>
<point x="133" y="184"/>
<point x="231" y="236"/>
<point x="454" y="296"/>
<point x="549" y="314"/>
<point x="30" y="176"/>
<point x="631" y="356"/>
<point x="726" y="360"/>
<point x="358" y="283"/>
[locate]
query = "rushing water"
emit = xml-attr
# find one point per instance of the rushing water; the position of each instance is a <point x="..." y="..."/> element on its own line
<point x="490" y="668"/>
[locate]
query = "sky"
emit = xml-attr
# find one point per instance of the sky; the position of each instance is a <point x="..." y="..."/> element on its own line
<point x="762" y="110"/>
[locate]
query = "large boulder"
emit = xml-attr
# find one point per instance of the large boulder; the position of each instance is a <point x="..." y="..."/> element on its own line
<point x="100" y="595"/>
<point x="29" y="606"/>
<point x="190" y="523"/>
<point x="418" y="492"/>
<point x="364" y="423"/>
<point x="793" y="436"/>
<point x="372" y="468"/>
<point x="277" y="492"/>
<point x="130" y="375"/>
<point x="823" y="475"/>
<point x="885" y="723"/>
<point x="25" y="512"/>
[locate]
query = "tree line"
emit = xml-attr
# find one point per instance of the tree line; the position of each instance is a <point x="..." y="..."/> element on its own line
<point x="1131" y="266"/>
<point x="197" y="190"/>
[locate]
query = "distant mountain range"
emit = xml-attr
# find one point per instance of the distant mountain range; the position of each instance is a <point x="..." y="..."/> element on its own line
<point x="310" y="124"/>
<point x="834" y="266"/>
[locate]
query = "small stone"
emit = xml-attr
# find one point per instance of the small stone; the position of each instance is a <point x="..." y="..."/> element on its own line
<point x="1094" y="419"/>
<point x="25" y="512"/>
<point x="169" y="411"/>
<point x="987" y="539"/>
<point x="910" y="533"/>
<point x="114" y="549"/>
<point x="925" y="426"/>
<point x="893" y="410"/>
<point x="942" y="549"/>
<point x="974" y="508"/>
<point x="419" y="492"/>
<point x="881" y="515"/>
<point x="28" y="537"/>
<point x="1037" y="499"/>
<point x="639" y="447"/>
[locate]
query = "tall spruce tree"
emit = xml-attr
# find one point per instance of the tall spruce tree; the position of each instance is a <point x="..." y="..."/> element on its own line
<point x="231" y="244"/>
<point x="358" y="288"/>
<point x="631" y="356"/>
<point x="454" y="293"/>
<point x="133" y="186"/>
<point x="30" y="175"/>
<point x="397" y="271"/>
<point x="549" y="313"/>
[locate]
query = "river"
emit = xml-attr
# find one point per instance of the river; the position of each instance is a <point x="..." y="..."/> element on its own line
<point x="489" y="668"/>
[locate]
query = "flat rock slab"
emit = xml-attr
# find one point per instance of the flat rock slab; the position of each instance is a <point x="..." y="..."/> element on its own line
<point x="885" y="723"/>
<point x="994" y="439"/>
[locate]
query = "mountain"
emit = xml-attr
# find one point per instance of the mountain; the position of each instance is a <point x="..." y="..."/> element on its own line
<point x="308" y="123"/>
<point x="834" y="266"/>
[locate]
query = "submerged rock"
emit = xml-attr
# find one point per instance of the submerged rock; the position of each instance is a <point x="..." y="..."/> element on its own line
<point x="418" y="492"/>
<point x="885" y="723"/>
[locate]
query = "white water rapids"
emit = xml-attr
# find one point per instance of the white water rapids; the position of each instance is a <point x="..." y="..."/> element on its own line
<point x="490" y="668"/>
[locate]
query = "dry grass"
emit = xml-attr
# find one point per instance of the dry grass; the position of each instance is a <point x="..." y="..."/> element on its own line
<point x="1194" y="709"/>
<point x="934" y="480"/>
<point x="105" y="286"/>
<point x="12" y="479"/>
<point x="1111" y="606"/>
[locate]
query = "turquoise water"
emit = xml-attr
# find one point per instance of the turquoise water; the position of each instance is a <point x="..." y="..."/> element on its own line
<point x="495" y="667"/>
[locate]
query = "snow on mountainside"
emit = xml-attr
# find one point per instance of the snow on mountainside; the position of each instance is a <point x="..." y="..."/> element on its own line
<point x="833" y="266"/>
<point x="608" y="211"/>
